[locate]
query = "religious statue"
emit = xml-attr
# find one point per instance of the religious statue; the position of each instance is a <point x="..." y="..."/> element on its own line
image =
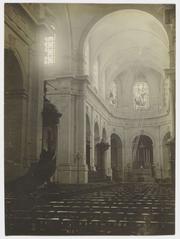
<point x="141" y="95"/>
<point x="140" y="99"/>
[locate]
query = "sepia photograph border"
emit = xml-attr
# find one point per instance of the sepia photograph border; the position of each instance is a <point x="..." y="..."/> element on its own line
<point x="177" y="195"/>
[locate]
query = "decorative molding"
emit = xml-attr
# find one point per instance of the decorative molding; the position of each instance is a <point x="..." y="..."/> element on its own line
<point x="14" y="93"/>
<point x="19" y="32"/>
<point x="14" y="13"/>
<point x="40" y="18"/>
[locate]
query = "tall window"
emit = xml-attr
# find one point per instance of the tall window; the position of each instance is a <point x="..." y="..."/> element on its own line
<point x="49" y="49"/>
<point x="86" y="58"/>
<point x="141" y="95"/>
<point x="113" y="94"/>
<point x="103" y="87"/>
<point x="96" y="75"/>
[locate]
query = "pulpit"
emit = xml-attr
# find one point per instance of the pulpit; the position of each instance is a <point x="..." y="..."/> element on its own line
<point x="42" y="170"/>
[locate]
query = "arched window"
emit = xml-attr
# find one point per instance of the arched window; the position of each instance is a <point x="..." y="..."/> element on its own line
<point x="49" y="49"/>
<point x="86" y="58"/>
<point x="102" y="83"/>
<point x="113" y="94"/>
<point x="141" y="95"/>
<point x="95" y="74"/>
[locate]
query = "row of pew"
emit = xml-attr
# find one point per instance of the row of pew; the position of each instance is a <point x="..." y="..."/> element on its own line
<point x="123" y="209"/>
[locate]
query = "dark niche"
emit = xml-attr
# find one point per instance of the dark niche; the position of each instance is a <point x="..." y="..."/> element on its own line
<point x="50" y="114"/>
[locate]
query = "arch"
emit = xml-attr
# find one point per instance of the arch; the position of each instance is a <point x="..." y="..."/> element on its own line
<point x="14" y="53"/>
<point x="142" y="132"/>
<point x="160" y="28"/>
<point x="127" y="10"/>
<point x="116" y="157"/>
<point x="12" y="82"/>
<point x="127" y="50"/>
<point x="97" y="19"/>
<point x="15" y="111"/>
<point x="142" y="158"/>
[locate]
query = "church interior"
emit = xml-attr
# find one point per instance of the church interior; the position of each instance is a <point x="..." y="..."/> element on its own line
<point x="89" y="117"/>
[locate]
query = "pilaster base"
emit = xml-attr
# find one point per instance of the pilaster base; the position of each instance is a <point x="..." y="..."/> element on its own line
<point x="71" y="174"/>
<point x="14" y="170"/>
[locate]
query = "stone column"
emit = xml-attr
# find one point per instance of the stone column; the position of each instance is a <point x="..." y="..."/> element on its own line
<point x="68" y="95"/>
<point x="159" y="154"/>
<point x="107" y="163"/>
<point x="172" y="88"/>
<point x="170" y="23"/>
<point x="35" y="84"/>
<point x="162" y="159"/>
<point x="64" y="147"/>
<point x="39" y="55"/>
<point x="79" y="89"/>
<point x="92" y="142"/>
<point x="157" y="161"/>
<point x="170" y="73"/>
<point x="127" y="160"/>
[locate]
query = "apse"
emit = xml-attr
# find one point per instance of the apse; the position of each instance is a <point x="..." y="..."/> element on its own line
<point x="126" y="41"/>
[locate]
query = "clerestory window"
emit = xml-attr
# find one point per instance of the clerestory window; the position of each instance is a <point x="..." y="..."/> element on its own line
<point x="49" y="49"/>
<point x="141" y="95"/>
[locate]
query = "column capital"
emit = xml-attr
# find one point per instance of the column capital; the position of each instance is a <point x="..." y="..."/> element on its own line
<point x="169" y="71"/>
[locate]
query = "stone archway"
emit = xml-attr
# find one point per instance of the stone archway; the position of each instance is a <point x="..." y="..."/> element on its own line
<point x="15" y="113"/>
<point x="109" y="31"/>
<point x="142" y="158"/>
<point x="116" y="157"/>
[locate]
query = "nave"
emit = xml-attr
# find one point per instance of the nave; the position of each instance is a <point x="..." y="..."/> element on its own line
<point x="93" y="209"/>
<point x="89" y="119"/>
